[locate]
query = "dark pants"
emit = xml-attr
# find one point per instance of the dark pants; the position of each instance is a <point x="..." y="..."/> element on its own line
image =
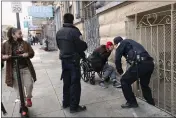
<point x="72" y="86"/>
<point x="145" y="69"/>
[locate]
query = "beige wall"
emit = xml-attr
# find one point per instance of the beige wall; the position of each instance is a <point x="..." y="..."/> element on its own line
<point x="74" y="8"/>
<point x="62" y="9"/>
<point x="112" y="22"/>
<point x="80" y="27"/>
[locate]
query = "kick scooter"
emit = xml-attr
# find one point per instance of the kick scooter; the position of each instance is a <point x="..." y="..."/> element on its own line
<point x="23" y="109"/>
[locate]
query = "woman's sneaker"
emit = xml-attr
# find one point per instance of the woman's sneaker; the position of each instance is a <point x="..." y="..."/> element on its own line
<point x="29" y="102"/>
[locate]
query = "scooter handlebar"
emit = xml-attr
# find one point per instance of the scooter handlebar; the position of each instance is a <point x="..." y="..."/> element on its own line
<point x="16" y="57"/>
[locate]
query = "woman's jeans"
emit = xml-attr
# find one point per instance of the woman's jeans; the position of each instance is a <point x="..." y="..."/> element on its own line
<point x="27" y="82"/>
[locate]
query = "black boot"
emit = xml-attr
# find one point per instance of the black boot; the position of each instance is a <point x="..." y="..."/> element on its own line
<point x="79" y="109"/>
<point x="65" y="106"/>
<point x="116" y="84"/>
<point x="129" y="105"/>
<point x="152" y="102"/>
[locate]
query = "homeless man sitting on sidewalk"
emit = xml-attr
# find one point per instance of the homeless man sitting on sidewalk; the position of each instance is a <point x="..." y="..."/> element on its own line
<point x="102" y="53"/>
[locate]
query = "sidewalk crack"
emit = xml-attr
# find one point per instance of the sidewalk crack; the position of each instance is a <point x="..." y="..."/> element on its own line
<point x="55" y="91"/>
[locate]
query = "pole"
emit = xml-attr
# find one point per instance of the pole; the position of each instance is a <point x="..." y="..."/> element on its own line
<point x="18" y="20"/>
<point x="28" y="25"/>
<point x="172" y="58"/>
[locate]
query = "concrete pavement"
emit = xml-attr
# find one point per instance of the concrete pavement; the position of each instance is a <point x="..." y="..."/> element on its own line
<point x="47" y="95"/>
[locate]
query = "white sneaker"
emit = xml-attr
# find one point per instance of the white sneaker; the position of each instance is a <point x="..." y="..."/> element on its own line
<point x="117" y="84"/>
<point x="17" y="100"/>
<point x="103" y="85"/>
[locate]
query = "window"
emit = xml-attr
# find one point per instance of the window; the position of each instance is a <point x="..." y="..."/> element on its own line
<point x="89" y="9"/>
<point x="77" y="9"/>
<point x="70" y="7"/>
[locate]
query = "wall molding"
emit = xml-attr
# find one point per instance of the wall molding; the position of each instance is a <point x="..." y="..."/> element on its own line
<point x="108" y="6"/>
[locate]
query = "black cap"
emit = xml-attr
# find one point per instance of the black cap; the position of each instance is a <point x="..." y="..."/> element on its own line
<point x="117" y="40"/>
<point x="68" y="18"/>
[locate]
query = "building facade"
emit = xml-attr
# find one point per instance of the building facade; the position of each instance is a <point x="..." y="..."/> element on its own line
<point x="48" y="25"/>
<point x="153" y="24"/>
<point x="4" y="31"/>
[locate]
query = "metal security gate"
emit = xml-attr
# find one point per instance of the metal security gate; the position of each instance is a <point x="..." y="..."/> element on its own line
<point x="57" y="19"/>
<point x="91" y="27"/>
<point x="50" y="35"/>
<point x="157" y="33"/>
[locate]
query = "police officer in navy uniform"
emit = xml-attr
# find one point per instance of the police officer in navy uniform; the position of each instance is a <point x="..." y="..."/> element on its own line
<point x="141" y="67"/>
<point x="72" y="47"/>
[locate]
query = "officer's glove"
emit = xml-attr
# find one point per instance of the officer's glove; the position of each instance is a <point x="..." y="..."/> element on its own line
<point x="120" y="71"/>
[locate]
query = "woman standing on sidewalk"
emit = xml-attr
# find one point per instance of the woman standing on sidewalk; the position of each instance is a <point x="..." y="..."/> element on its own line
<point x="15" y="45"/>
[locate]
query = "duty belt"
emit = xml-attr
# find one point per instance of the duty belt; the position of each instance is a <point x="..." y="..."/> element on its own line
<point x="146" y="59"/>
<point x="141" y="59"/>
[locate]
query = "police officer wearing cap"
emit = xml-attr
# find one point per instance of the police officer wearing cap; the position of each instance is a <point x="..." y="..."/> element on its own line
<point x="72" y="47"/>
<point x="141" y="67"/>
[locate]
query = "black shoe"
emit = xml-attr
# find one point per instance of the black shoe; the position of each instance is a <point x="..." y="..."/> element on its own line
<point x="151" y="102"/>
<point x="79" y="109"/>
<point x="116" y="84"/>
<point x="129" y="105"/>
<point x="65" y="106"/>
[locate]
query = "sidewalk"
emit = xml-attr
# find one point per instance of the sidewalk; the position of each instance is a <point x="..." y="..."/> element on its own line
<point x="47" y="95"/>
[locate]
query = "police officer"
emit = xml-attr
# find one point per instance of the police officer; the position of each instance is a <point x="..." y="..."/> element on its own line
<point x="71" y="51"/>
<point x="141" y="67"/>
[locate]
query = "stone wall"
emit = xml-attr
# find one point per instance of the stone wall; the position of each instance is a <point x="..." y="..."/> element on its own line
<point x="112" y="21"/>
<point x="80" y="27"/>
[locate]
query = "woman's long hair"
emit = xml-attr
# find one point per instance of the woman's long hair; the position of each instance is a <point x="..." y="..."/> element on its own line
<point x="10" y="32"/>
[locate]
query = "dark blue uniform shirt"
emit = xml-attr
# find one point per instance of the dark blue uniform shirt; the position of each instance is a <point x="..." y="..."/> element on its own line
<point x="126" y="49"/>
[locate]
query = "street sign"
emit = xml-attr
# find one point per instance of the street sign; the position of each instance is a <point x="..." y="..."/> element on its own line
<point x="40" y="11"/>
<point x="38" y="21"/>
<point x="26" y="24"/>
<point x="16" y="7"/>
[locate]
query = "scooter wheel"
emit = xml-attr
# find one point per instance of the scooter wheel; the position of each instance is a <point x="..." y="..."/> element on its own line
<point x="24" y="114"/>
